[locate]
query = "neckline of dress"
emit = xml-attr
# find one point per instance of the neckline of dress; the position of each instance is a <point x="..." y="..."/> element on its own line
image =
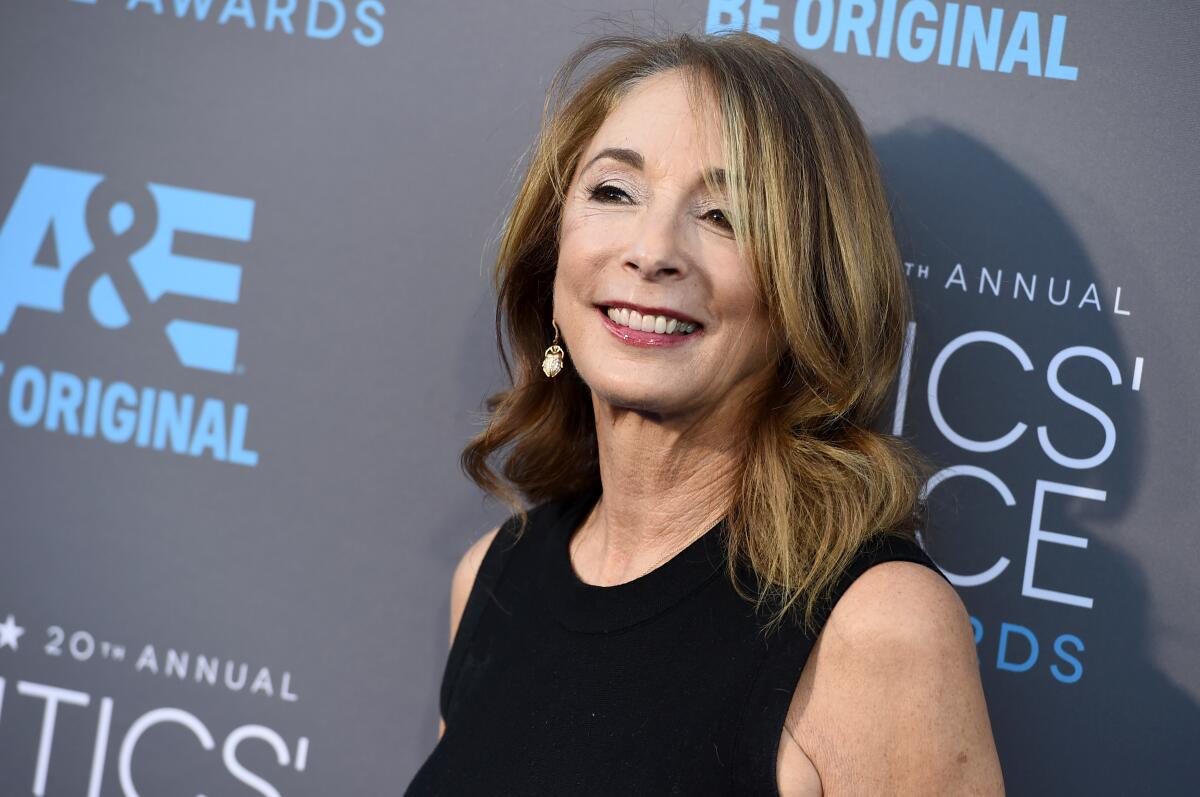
<point x="592" y="608"/>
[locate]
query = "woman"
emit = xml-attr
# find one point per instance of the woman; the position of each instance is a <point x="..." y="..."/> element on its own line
<point x="718" y="589"/>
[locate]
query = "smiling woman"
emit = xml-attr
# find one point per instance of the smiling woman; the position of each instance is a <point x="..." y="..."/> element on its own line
<point x="703" y="233"/>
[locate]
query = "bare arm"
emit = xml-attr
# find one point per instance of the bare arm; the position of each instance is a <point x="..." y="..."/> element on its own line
<point x="460" y="588"/>
<point x="891" y="700"/>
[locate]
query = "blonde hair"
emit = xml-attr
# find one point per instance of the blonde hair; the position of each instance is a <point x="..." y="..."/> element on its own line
<point x="810" y="215"/>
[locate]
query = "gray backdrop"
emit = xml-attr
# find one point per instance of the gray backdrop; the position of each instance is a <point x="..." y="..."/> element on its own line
<point x="245" y="329"/>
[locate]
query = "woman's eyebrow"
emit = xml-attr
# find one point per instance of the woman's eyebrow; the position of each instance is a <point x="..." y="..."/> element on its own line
<point x="629" y="156"/>
<point x="634" y="158"/>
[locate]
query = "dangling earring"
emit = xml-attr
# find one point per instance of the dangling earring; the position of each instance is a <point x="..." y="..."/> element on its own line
<point x="553" y="361"/>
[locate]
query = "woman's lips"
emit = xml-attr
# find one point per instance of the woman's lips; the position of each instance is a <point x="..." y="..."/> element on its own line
<point x="651" y="340"/>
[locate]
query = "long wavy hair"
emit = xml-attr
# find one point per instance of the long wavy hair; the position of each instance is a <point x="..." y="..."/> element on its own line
<point x="810" y="215"/>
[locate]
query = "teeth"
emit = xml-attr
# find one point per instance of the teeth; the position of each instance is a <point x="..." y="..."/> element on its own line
<point x="650" y="323"/>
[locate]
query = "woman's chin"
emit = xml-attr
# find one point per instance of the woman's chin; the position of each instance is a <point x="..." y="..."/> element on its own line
<point x="648" y="399"/>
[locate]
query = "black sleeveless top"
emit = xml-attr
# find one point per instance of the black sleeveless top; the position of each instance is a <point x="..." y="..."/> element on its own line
<point x="663" y="685"/>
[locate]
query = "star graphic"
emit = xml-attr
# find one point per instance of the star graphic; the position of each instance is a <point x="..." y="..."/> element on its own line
<point x="10" y="632"/>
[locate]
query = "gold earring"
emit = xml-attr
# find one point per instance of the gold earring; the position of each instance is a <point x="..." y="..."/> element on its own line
<point x="553" y="361"/>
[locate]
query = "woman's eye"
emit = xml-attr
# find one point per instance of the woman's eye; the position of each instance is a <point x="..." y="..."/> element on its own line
<point x="604" y="193"/>
<point x="611" y="194"/>
<point x="723" y="220"/>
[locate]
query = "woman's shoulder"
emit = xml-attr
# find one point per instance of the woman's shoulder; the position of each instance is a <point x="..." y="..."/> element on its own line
<point x="896" y="605"/>
<point x="465" y="574"/>
<point x="895" y="668"/>
<point x="501" y="539"/>
<point x="904" y="599"/>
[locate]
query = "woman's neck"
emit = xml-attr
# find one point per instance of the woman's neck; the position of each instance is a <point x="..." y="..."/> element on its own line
<point x="664" y="484"/>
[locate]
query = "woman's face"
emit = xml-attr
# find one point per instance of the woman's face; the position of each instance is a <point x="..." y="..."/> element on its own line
<point x="658" y="311"/>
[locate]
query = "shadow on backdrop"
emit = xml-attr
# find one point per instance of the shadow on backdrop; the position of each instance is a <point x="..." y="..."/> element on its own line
<point x="1077" y="702"/>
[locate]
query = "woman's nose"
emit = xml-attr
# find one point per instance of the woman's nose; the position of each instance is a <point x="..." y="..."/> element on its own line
<point x="656" y="251"/>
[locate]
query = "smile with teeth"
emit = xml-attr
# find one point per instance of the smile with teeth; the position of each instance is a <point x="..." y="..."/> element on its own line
<point x="662" y="324"/>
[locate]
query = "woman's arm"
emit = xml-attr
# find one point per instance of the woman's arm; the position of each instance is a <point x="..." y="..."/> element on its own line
<point x="460" y="589"/>
<point x="890" y="701"/>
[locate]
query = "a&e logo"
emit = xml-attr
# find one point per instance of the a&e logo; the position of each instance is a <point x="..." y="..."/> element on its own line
<point x="102" y="251"/>
<point x="112" y="244"/>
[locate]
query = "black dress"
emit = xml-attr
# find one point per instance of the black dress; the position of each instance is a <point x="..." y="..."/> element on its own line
<point x="663" y="685"/>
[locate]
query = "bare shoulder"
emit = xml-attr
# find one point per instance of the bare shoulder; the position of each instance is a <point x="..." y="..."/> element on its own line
<point x="464" y="577"/>
<point x="907" y="604"/>
<point x="460" y="588"/>
<point x="890" y="699"/>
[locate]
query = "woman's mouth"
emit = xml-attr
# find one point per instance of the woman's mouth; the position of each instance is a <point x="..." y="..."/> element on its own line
<point x="649" y="330"/>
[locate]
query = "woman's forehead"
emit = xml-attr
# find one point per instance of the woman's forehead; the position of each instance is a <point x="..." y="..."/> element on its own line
<point x="661" y="100"/>
<point x="656" y="129"/>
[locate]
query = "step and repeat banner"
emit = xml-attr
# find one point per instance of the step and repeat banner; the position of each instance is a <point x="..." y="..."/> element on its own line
<point x="246" y="326"/>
